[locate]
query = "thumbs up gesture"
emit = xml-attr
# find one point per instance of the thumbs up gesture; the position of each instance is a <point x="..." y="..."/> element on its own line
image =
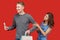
<point x="5" y="27"/>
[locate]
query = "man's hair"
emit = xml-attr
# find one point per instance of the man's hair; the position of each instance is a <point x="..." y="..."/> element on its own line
<point x="22" y="3"/>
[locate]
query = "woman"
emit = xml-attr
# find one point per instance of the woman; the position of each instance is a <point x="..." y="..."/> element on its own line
<point x="46" y="26"/>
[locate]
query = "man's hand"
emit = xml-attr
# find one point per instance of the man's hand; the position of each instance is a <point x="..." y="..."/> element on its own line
<point x="27" y="32"/>
<point x="5" y="27"/>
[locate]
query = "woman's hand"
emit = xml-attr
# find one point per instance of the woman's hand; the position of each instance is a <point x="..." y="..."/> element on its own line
<point x="37" y="25"/>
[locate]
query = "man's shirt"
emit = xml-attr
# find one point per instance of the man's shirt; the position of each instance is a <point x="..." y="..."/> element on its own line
<point x="21" y="23"/>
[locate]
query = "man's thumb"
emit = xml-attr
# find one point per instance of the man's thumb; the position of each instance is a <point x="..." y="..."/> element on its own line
<point x="4" y="24"/>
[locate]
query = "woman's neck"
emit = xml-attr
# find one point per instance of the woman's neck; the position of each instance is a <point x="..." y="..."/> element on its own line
<point x="46" y="22"/>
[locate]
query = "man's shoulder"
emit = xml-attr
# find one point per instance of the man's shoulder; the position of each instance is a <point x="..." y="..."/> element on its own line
<point x="29" y="15"/>
<point x="15" y="15"/>
<point x="26" y="14"/>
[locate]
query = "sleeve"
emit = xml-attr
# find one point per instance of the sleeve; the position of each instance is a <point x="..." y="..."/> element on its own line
<point x="33" y="28"/>
<point x="31" y="20"/>
<point x="13" y="25"/>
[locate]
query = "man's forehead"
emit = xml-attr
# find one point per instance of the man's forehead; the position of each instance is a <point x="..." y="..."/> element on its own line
<point x="19" y="5"/>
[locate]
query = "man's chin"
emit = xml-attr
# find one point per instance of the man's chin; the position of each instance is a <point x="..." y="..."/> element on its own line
<point x="18" y="12"/>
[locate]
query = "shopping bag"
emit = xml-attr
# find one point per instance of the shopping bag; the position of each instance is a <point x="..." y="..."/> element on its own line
<point x="26" y="37"/>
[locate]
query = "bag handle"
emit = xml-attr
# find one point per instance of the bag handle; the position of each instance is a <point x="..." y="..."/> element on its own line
<point x="26" y="34"/>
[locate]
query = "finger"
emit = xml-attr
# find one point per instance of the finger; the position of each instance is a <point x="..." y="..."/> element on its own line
<point x="25" y="33"/>
<point x="4" y="24"/>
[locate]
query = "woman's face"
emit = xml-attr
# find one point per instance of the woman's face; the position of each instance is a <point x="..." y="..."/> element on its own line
<point x="46" y="17"/>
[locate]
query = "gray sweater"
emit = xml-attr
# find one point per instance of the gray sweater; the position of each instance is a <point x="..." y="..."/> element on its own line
<point x="21" y="23"/>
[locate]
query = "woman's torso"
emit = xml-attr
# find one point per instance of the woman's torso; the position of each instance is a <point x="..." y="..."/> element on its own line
<point x="40" y="35"/>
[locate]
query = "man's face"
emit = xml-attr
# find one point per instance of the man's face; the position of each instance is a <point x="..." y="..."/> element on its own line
<point x="19" y="8"/>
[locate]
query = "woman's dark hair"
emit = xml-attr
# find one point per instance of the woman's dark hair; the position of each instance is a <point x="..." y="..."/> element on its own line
<point x="50" y="19"/>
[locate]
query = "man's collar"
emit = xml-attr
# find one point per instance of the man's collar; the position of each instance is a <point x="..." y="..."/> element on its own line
<point x="22" y="13"/>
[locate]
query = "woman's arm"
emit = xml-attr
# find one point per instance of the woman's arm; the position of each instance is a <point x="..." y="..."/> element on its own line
<point x="44" y="33"/>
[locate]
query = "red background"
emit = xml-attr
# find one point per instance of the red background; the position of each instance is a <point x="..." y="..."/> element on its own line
<point x="37" y="8"/>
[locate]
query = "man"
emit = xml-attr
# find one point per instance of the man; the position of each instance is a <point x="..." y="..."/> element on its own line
<point x="21" y="21"/>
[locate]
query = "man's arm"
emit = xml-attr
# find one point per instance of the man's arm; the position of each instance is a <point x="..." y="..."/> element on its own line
<point x="33" y="28"/>
<point x="31" y="20"/>
<point x="11" y="27"/>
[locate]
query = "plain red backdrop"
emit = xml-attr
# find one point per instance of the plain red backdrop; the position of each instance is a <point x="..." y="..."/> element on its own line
<point x="37" y="8"/>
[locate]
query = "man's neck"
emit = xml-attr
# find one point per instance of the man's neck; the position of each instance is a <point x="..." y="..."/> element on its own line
<point x="22" y="13"/>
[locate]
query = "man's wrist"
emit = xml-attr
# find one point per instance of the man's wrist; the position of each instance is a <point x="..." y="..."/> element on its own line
<point x="8" y="29"/>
